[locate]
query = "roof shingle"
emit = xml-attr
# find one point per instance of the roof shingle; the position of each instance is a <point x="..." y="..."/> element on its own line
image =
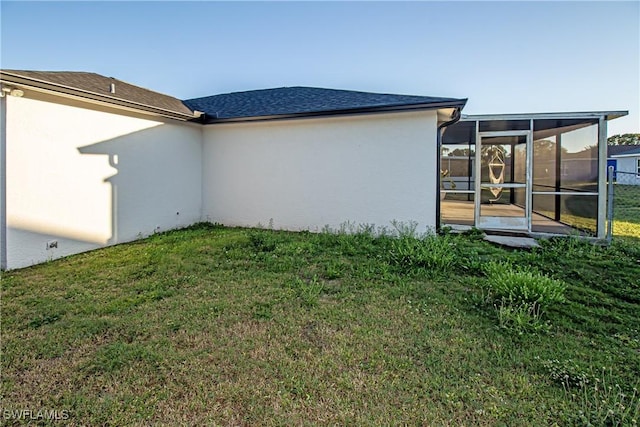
<point x="299" y="100"/>
<point x="617" y="150"/>
<point x="101" y="85"/>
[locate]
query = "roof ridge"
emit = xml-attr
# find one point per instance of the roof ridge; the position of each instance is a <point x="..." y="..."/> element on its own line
<point x="7" y="70"/>
<point x="315" y="88"/>
<point x="238" y="92"/>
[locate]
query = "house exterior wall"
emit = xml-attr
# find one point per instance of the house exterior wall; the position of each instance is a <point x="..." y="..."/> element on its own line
<point x="306" y="174"/>
<point x="85" y="178"/>
<point x="628" y="165"/>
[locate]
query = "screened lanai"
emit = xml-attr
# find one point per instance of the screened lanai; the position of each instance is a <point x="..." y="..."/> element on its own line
<point x="533" y="173"/>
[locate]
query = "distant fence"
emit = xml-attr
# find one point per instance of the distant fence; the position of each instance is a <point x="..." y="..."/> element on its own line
<point x="623" y="204"/>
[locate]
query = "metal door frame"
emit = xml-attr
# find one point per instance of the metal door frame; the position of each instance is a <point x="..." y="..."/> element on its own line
<point x="504" y="223"/>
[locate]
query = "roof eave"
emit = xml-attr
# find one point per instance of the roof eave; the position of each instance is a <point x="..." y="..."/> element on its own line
<point x="458" y="103"/>
<point x="608" y="115"/>
<point x="624" y="155"/>
<point x="33" y="83"/>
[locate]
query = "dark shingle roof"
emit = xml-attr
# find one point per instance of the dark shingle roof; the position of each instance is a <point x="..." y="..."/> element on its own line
<point x="294" y="101"/>
<point x="101" y="86"/>
<point x="616" y="150"/>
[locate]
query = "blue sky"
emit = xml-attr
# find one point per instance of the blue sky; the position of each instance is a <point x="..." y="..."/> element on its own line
<point x="504" y="56"/>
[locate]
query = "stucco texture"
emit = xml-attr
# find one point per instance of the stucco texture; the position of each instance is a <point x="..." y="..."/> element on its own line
<point x="88" y="178"/>
<point x="310" y="173"/>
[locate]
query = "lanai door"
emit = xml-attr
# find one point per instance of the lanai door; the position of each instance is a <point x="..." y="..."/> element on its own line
<point x="503" y="186"/>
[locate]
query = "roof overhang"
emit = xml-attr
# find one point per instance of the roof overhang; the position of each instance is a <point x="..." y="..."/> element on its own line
<point x="608" y="115"/>
<point x="42" y="86"/>
<point x="452" y="105"/>
<point x="617" y="156"/>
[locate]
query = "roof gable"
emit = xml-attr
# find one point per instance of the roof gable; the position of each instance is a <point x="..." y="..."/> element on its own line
<point x="296" y="101"/>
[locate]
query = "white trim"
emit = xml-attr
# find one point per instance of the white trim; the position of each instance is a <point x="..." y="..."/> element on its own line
<point x="457" y="157"/>
<point x="529" y="177"/>
<point x="504" y="133"/>
<point x="608" y="115"/>
<point x="477" y="170"/>
<point x="616" y="156"/>
<point x="508" y="185"/>
<point x="602" y="179"/>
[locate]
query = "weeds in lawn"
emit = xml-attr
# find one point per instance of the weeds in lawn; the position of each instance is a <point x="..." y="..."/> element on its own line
<point x="430" y="254"/>
<point x="600" y="401"/>
<point x="603" y="402"/>
<point x="570" y="246"/>
<point x="520" y="295"/>
<point x="262" y="241"/>
<point x="523" y="285"/>
<point x="308" y="291"/>
<point x="524" y="318"/>
<point x="406" y="229"/>
<point x="567" y="373"/>
<point x="333" y="270"/>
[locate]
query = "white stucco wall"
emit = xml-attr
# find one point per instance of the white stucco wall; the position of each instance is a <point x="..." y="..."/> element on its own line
<point x="308" y="173"/>
<point x="88" y="178"/>
<point x="630" y="166"/>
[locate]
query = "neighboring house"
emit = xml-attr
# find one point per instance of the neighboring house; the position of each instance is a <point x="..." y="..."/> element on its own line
<point x="625" y="160"/>
<point x="89" y="161"/>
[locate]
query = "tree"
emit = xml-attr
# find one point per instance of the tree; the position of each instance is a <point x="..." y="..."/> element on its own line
<point x="624" y="139"/>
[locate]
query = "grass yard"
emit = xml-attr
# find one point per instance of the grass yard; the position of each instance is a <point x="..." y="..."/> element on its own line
<point x="626" y="210"/>
<point x="221" y="326"/>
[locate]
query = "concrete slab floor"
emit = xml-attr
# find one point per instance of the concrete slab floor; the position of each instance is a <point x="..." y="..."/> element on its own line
<point x="513" y="242"/>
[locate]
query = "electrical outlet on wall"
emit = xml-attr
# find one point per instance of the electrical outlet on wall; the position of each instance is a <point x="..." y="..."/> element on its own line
<point x="51" y="244"/>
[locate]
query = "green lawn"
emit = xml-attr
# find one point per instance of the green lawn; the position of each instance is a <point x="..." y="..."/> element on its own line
<point x="626" y="210"/>
<point x="220" y="326"/>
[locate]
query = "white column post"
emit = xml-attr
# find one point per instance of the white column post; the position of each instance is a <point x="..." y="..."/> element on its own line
<point x="602" y="177"/>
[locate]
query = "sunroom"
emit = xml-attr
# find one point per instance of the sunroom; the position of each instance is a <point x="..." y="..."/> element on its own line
<point x="538" y="173"/>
